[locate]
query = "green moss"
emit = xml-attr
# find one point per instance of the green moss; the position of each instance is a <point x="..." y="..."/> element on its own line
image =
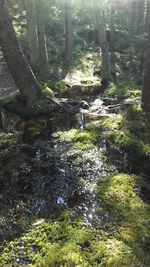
<point x="129" y="131"/>
<point x="114" y="123"/>
<point x="52" y="244"/>
<point x="67" y="242"/>
<point x="123" y="90"/>
<point x="60" y="87"/>
<point x="111" y="91"/>
<point x="35" y="127"/>
<point x="82" y="140"/>
<point x="129" y="214"/>
<point x="131" y="144"/>
<point x="117" y="193"/>
<point x="114" y="253"/>
<point x="8" y="139"/>
<point x="47" y="90"/>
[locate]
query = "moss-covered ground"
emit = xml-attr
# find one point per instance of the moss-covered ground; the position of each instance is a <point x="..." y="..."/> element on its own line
<point x="70" y="242"/>
<point x="121" y="236"/>
<point x="124" y="239"/>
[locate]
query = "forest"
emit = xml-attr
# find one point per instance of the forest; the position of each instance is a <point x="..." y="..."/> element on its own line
<point x="75" y="133"/>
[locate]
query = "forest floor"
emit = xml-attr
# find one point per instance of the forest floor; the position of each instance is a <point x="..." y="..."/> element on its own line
<point x="74" y="189"/>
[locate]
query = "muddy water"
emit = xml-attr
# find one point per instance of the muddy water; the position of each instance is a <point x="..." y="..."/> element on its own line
<point x="66" y="177"/>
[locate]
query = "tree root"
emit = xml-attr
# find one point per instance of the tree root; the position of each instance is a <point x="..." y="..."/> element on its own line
<point x="44" y="105"/>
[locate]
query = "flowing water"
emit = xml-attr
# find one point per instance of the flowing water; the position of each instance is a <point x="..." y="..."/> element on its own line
<point x="44" y="175"/>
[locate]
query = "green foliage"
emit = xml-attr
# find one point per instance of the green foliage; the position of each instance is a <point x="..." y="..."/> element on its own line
<point x="123" y="90"/>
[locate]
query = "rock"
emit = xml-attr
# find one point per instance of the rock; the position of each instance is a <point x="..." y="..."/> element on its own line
<point x="38" y="222"/>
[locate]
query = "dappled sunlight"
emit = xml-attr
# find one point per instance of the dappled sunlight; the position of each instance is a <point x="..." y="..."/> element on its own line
<point x="75" y="133"/>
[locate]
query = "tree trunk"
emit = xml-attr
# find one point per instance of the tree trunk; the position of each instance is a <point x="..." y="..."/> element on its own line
<point x="42" y="47"/>
<point x="112" y="39"/>
<point x="137" y="16"/>
<point x="106" y="75"/>
<point x="32" y="31"/>
<point x="140" y="16"/>
<point x="17" y="64"/>
<point x="146" y="84"/>
<point x="133" y="17"/>
<point x="68" y="30"/>
<point x="147" y="15"/>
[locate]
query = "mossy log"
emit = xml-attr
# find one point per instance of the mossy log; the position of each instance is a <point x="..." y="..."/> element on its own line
<point x="44" y="105"/>
<point x="79" y="90"/>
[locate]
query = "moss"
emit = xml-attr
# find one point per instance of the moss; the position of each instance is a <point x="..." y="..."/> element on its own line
<point x="52" y="244"/>
<point x="83" y="61"/>
<point x="47" y="90"/>
<point x="129" y="214"/>
<point x="131" y="144"/>
<point x="123" y="90"/>
<point x="59" y="87"/>
<point x="114" y="253"/>
<point x="83" y="140"/>
<point x="67" y="242"/>
<point x="117" y="193"/>
<point x="35" y="127"/>
<point x="8" y="139"/>
<point x="129" y="132"/>
<point x="114" y="123"/>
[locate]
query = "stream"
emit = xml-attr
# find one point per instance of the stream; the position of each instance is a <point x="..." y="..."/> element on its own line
<point x="45" y="175"/>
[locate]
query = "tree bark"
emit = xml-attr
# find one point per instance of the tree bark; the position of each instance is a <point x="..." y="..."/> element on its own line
<point x="106" y="74"/>
<point x="112" y="39"/>
<point x="32" y="31"/>
<point x="17" y="63"/>
<point x="146" y="84"/>
<point x="42" y="47"/>
<point x="137" y="16"/>
<point x="147" y="15"/>
<point x="140" y="16"/>
<point x="68" y="30"/>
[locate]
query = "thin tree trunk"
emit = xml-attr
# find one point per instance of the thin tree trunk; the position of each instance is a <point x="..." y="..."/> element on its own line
<point x="32" y="31"/>
<point x="146" y="83"/>
<point x="42" y="47"/>
<point x="140" y="16"/>
<point x="147" y="15"/>
<point x="137" y="16"/>
<point x="17" y="64"/>
<point x="112" y="39"/>
<point x="68" y="30"/>
<point x="106" y="75"/>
